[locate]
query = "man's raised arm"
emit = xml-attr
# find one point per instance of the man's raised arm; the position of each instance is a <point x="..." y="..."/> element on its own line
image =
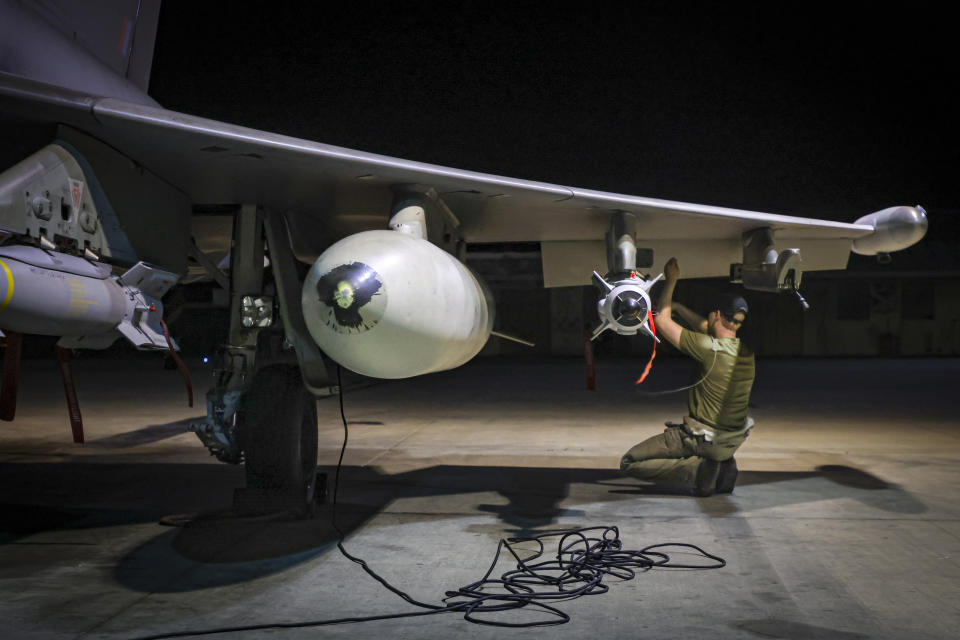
<point x="693" y="319"/>
<point x="666" y="327"/>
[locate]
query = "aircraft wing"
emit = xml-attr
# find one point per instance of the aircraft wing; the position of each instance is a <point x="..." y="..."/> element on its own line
<point x="330" y="192"/>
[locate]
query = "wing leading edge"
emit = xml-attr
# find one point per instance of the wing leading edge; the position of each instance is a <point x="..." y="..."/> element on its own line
<point x="342" y="191"/>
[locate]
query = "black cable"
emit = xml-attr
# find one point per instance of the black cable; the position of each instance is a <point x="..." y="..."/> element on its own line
<point x="343" y="449"/>
<point x="336" y="489"/>
<point x="584" y="557"/>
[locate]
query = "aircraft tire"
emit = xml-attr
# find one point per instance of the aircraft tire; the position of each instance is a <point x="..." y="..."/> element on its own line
<point x="278" y="431"/>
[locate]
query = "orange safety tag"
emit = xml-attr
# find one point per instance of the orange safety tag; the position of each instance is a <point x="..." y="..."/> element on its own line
<point x="653" y="329"/>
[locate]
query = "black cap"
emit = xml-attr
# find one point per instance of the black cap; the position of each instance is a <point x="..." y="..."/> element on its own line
<point x="731" y="304"/>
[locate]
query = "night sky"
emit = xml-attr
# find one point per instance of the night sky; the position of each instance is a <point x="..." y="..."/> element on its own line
<point x="800" y="108"/>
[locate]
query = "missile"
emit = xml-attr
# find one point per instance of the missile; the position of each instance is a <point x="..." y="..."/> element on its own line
<point x="624" y="305"/>
<point x="83" y="301"/>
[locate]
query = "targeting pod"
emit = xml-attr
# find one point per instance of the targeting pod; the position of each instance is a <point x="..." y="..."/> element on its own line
<point x="624" y="306"/>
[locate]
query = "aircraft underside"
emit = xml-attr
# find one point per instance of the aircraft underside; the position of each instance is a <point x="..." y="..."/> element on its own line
<point x="325" y="256"/>
<point x="393" y="302"/>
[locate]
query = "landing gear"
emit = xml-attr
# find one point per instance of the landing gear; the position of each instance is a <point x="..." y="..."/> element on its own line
<point x="270" y="425"/>
<point x="277" y="424"/>
<point x="262" y="409"/>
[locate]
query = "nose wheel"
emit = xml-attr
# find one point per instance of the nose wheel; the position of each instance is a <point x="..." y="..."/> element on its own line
<point x="277" y="423"/>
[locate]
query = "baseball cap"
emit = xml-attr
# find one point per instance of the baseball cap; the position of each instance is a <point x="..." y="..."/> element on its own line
<point x="730" y="304"/>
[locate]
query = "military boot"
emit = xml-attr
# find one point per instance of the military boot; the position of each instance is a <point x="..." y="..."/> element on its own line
<point x="706" y="480"/>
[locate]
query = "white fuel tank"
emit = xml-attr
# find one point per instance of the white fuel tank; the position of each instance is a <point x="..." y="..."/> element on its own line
<point x="391" y="305"/>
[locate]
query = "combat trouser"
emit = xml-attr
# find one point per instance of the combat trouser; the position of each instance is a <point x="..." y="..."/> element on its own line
<point x="680" y="458"/>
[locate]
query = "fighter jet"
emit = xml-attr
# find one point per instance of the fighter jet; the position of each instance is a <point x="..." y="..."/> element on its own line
<point x="336" y="255"/>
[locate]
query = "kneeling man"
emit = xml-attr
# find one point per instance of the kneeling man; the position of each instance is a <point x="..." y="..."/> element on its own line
<point x="697" y="455"/>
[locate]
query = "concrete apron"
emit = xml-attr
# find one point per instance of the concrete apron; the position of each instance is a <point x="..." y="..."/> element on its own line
<point x="845" y="522"/>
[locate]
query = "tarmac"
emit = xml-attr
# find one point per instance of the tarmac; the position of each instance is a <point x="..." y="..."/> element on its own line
<point x="845" y="522"/>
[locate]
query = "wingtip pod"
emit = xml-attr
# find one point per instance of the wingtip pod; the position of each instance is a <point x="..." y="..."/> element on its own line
<point x="894" y="229"/>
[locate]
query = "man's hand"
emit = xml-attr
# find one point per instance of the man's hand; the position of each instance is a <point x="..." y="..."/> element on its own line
<point x="671" y="270"/>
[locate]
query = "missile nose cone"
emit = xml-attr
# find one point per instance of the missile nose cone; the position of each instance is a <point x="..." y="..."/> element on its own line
<point x="630" y="305"/>
<point x="629" y="309"/>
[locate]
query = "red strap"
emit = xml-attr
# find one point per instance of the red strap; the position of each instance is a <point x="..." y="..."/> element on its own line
<point x="73" y="405"/>
<point x="653" y="328"/>
<point x="11" y="376"/>
<point x="173" y="353"/>
<point x="588" y="357"/>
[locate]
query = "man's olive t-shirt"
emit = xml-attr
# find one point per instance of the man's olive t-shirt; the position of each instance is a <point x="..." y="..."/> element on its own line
<point x="721" y="399"/>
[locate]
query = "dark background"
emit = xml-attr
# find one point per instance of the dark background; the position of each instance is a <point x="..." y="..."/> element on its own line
<point x="796" y="108"/>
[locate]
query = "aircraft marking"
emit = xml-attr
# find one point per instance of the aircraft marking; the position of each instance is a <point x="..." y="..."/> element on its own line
<point x="354" y="296"/>
<point x="9" y="296"/>
<point x="76" y="191"/>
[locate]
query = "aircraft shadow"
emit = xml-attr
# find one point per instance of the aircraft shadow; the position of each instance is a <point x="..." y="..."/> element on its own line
<point x="145" y="435"/>
<point x="774" y="628"/>
<point x="217" y="548"/>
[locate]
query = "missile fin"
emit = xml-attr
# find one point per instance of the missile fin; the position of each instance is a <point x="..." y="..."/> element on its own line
<point x="649" y="284"/>
<point x="601" y="283"/>
<point x="600" y="329"/>
<point x="649" y="332"/>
